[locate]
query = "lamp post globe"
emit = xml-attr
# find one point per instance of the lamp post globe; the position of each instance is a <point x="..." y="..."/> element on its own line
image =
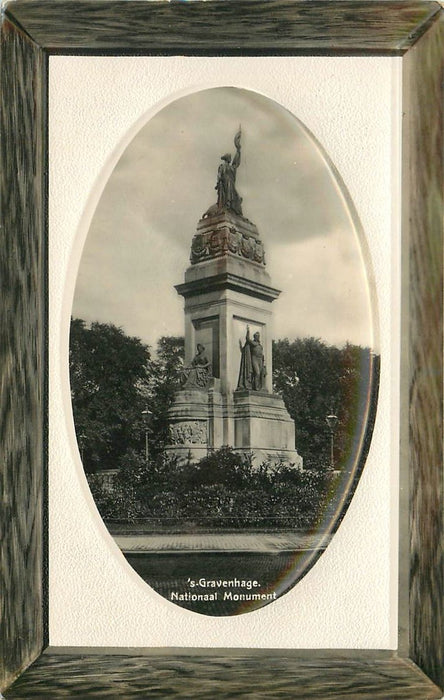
<point x="332" y="422"/>
<point x="147" y="416"/>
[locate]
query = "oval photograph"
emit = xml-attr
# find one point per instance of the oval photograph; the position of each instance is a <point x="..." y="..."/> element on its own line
<point x="224" y="360"/>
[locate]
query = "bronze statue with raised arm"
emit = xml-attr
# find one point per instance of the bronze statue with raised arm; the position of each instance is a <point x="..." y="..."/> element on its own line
<point x="227" y="195"/>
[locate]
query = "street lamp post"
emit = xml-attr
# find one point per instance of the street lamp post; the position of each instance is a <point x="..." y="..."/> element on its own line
<point x="147" y="415"/>
<point x="332" y="421"/>
<point x="82" y="438"/>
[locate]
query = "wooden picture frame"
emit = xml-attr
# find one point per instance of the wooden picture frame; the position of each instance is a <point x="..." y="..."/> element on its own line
<point x="33" y="31"/>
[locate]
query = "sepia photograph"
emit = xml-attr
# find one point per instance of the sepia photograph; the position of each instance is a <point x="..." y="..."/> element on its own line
<point x="224" y="356"/>
<point x="222" y="268"/>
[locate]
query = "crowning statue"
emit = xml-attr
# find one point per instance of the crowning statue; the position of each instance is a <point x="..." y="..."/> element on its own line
<point x="252" y="371"/>
<point x="227" y="195"/>
<point x="198" y="374"/>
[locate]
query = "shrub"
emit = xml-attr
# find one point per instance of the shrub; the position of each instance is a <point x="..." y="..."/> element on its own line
<point x="221" y="490"/>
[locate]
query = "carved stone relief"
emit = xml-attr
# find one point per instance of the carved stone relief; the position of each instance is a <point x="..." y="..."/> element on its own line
<point x="189" y="432"/>
<point x="219" y="241"/>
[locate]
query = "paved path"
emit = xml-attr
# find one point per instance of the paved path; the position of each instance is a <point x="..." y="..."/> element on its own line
<point x="232" y="542"/>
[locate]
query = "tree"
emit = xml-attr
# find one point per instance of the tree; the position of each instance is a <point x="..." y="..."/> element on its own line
<point x="114" y="379"/>
<point x="164" y="381"/>
<point x="330" y="379"/>
<point x="109" y="374"/>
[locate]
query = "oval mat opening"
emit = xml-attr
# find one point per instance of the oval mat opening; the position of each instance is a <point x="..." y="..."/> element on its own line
<point x="223" y="352"/>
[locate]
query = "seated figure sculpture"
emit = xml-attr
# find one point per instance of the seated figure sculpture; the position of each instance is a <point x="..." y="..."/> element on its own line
<point x="252" y="371"/>
<point x="198" y="374"/>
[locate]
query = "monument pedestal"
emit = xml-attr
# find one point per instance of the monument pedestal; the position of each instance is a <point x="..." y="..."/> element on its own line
<point x="263" y="427"/>
<point x="251" y="422"/>
<point x="189" y="425"/>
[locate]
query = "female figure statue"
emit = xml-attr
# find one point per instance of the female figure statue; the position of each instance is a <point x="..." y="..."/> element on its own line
<point x="197" y="375"/>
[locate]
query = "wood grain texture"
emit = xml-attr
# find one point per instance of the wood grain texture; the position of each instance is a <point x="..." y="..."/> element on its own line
<point x="224" y="677"/>
<point x="224" y="26"/>
<point x="423" y="138"/>
<point x="22" y="319"/>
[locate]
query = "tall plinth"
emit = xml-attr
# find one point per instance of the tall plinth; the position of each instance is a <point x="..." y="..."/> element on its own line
<point x="228" y="297"/>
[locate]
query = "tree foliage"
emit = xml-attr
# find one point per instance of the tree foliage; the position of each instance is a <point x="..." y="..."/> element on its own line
<point x="316" y="379"/>
<point x="165" y="375"/>
<point x="222" y="490"/>
<point x="107" y="371"/>
<point x="114" y="380"/>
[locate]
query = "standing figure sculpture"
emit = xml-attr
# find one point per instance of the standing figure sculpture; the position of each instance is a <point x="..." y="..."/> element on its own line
<point x="198" y="374"/>
<point x="227" y="196"/>
<point x="252" y="371"/>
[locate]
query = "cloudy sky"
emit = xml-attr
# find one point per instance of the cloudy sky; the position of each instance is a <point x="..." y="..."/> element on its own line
<point x="138" y="245"/>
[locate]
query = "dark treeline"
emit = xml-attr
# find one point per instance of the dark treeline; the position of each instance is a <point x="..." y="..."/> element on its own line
<point x="316" y="379"/>
<point x="116" y="378"/>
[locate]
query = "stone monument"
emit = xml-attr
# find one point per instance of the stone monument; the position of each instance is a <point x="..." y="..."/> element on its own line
<point x="226" y="396"/>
